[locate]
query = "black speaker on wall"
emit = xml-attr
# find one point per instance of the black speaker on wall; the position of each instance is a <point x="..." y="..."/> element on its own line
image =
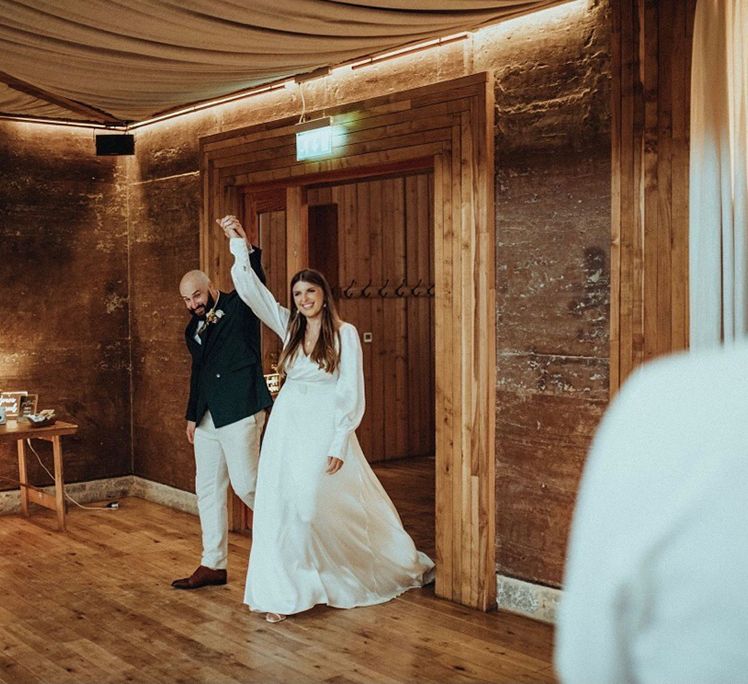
<point x="114" y="144"/>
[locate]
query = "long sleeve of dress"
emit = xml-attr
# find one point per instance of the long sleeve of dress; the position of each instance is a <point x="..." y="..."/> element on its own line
<point x="349" y="391"/>
<point x="254" y="293"/>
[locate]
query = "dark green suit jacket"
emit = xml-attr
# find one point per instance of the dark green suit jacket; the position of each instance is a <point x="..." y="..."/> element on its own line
<point x="227" y="377"/>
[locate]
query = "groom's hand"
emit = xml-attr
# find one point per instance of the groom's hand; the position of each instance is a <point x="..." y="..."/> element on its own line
<point x="190" y="431"/>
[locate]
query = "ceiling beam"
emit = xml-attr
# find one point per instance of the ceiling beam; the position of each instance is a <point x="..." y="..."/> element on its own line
<point x="88" y="111"/>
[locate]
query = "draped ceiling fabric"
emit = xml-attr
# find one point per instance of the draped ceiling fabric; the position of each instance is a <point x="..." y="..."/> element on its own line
<point x="132" y="59"/>
<point x="718" y="185"/>
<point x="17" y="102"/>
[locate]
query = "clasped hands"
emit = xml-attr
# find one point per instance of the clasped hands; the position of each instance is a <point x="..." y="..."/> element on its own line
<point x="231" y="227"/>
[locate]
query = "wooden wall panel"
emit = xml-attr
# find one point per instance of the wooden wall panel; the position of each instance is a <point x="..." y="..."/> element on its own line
<point x="460" y="150"/>
<point x="381" y="223"/>
<point x="651" y="50"/>
<point x="323" y="242"/>
<point x="366" y="206"/>
<point x="419" y="234"/>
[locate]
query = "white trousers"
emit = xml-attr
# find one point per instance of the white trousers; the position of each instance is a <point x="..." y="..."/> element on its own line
<point x="222" y="455"/>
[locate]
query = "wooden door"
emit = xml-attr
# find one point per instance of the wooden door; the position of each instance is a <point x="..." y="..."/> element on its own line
<point x="384" y="279"/>
<point x="264" y="218"/>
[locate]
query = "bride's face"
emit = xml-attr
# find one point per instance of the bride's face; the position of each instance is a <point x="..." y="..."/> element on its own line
<point x="309" y="298"/>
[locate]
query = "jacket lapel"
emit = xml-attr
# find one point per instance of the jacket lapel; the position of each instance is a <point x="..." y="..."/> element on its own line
<point x="214" y="329"/>
<point x="196" y="349"/>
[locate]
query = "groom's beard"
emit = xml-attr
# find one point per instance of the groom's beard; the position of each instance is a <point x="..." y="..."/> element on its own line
<point x="200" y="311"/>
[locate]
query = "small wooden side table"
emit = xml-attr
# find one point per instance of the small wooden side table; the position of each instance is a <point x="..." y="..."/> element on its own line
<point x="20" y="432"/>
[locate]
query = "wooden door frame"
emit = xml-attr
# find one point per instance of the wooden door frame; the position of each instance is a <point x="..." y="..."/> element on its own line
<point x="448" y="126"/>
<point x="650" y="117"/>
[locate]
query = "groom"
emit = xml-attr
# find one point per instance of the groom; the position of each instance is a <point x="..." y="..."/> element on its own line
<point x="225" y="411"/>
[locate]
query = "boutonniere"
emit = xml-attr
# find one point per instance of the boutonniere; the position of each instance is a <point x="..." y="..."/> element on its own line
<point x="214" y="315"/>
<point x="211" y="318"/>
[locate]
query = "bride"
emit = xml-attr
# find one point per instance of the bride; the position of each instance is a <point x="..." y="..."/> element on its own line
<point x="324" y="529"/>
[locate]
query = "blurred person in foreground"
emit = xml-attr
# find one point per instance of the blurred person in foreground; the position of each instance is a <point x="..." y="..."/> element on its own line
<point x="657" y="567"/>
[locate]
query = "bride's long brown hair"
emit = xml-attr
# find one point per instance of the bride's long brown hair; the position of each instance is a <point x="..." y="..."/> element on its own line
<point x="326" y="352"/>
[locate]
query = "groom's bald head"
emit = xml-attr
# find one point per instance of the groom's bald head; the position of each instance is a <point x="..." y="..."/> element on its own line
<point x="191" y="280"/>
<point x="196" y="291"/>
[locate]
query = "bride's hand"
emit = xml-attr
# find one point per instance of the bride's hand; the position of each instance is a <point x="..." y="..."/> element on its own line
<point x="231" y="227"/>
<point x="333" y="465"/>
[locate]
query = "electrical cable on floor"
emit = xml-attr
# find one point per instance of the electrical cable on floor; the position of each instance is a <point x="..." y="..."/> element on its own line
<point x="112" y="506"/>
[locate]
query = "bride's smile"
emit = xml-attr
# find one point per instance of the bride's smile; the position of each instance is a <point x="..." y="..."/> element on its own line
<point x="308" y="298"/>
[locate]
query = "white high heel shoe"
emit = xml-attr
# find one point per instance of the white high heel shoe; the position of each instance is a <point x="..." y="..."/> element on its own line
<point x="275" y="617"/>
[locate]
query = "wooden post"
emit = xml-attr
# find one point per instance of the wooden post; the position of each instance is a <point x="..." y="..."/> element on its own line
<point x="297" y="230"/>
<point x="59" y="482"/>
<point x="651" y="57"/>
<point x="23" y="477"/>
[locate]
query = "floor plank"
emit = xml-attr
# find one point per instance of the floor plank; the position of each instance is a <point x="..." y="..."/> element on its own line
<point x="94" y="605"/>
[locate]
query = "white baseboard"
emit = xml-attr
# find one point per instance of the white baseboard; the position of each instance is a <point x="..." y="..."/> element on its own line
<point x="82" y="492"/>
<point x="532" y="600"/>
<point x="112" y="488"/>
<point x="171" y="497"/>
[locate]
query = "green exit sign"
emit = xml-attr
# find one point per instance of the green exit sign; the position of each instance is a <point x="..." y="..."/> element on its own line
<point x="314" y="139"/>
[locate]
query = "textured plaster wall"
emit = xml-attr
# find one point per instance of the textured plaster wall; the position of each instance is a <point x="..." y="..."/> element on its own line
<point x="553" y="284"/>
<point x="63" y="275"/>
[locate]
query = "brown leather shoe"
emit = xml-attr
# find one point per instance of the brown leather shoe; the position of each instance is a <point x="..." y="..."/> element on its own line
<point x="202" y="577"/>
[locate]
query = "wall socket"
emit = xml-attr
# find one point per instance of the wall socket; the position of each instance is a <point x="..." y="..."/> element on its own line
<point x="368" y="337"/>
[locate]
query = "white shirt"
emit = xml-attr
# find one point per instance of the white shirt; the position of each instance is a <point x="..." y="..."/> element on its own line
<point x="656" y="585"/>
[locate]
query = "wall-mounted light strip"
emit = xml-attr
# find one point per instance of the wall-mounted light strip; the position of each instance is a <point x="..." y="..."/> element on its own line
<point x="19" y="118"/>
<point x="407" y="50"/>
<point x="266" y="88"/>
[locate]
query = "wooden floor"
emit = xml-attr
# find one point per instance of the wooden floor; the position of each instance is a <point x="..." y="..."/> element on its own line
<point x="411" y="486"/>
<point x="94" y="605"/>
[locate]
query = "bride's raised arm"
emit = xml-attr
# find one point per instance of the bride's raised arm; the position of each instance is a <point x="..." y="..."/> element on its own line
<point x="253" y="291"/>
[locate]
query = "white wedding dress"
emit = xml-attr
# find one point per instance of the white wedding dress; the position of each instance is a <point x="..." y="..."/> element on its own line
<point x="318" y="538"/>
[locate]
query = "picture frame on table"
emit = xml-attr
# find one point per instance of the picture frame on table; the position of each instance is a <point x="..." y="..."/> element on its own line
<point x="27" y="405"/>
<point x="11" y="402"/>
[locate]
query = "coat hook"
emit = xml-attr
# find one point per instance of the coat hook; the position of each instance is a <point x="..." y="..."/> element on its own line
<point x="430" y="291"/>
<point x="347" y="292"/>
<point x="399" y="291"/>
<point x="382" y="292"/>
<point x="365" y="291"/>
<point x="413" y="289"/>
